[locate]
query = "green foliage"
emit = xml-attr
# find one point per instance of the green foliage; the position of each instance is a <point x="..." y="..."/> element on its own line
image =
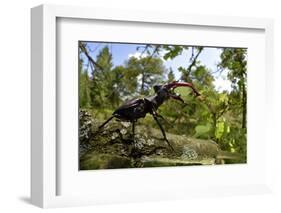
<point x="235" y="59"/>
<point x="202" y="131"/>
<point x="172" y="51"/>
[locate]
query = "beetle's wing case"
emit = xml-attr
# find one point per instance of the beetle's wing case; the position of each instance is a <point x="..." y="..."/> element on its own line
<point x="129" y="104"/>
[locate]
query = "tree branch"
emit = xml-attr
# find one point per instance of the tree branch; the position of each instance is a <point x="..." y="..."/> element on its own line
<point x="151" y="56"/>
<point x="85" y="51"/>
<point x="194" y="59"/>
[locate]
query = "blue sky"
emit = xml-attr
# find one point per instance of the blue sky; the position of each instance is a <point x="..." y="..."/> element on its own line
<point x="209" y="57"/>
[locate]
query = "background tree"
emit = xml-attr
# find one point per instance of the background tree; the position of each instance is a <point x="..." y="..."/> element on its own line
<point x="171" y="76"/>
<point x="150" y="70"/>
<point x="234" y="59"/>
<point x="105" y="89"/>
<point x="124" y="83"/>
<point x="84" y="87"/>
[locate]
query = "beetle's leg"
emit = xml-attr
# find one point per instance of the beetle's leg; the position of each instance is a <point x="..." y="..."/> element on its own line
<point x="101" y="126"/>
<point x="109" y="119"/>
<point x="160" y="116"/>
<point x="162" y="130"/>
<point x="130" y="148"/>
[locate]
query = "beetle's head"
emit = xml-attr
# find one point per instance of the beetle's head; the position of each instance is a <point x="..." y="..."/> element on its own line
<point x="162" y="92"/>
<point x="157" y="88"/>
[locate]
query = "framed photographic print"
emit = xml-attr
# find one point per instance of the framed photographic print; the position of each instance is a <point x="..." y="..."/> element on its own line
<point x="125" y="82"/>
<point x="130" y="106"/>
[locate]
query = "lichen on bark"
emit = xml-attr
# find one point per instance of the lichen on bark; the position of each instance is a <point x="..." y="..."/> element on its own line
<point x="113" y="147"/>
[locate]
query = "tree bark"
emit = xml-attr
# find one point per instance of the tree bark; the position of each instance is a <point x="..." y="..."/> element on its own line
<point x="214" y="124"/>
<point x="244" y="102"/>
<point x="142" y="83"/>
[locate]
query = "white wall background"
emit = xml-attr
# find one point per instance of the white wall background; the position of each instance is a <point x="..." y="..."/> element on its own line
<point x="15" y="105"/>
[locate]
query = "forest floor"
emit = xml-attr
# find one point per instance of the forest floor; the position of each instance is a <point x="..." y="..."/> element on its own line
<point x="113" y="147"/>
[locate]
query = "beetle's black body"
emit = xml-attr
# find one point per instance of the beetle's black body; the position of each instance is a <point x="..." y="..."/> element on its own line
<point x="134" y="109"/>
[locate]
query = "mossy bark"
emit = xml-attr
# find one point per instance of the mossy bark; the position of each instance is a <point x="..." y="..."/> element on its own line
<point x="114" y="147"/>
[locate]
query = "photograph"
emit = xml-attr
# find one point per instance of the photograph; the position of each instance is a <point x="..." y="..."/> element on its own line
<point x="147" y="105"/>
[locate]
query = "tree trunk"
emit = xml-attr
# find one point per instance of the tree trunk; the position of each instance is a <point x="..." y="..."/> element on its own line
<point x="244" y="102"/>
<point x="214" y="124"/>
<point x="142" y="83"/>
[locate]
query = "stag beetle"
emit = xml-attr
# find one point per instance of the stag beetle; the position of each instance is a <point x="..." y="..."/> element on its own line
<point x="134" y="109"/>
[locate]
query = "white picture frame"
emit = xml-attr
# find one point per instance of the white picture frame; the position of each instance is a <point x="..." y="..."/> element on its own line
<point x="44" y="148"/>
